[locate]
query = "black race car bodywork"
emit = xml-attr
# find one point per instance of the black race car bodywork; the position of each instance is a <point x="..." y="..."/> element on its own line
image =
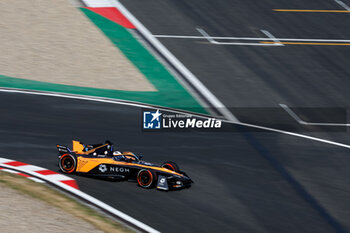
<point x="99" y="160"/>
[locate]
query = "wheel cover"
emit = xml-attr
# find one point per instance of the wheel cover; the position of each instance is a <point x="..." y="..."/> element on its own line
<point x="67" y="163"/>
<point x="145" y="178"/>
<point x="169" y="166"/>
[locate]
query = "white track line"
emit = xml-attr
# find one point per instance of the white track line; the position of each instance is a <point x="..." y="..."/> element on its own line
<point x="98" y="3"/>
<point x="346" y="7"/>
<point x="89" y="98"/>
<point x="296" y="135"/>
<point x="165" y="52"/>
<point x="3" y="160"/>
<point x="211" y="40"/>
<point x="268" y="34"/>
<point x="32" y="168"/>
<point x="71" y="96"/>
<point x="10" y="171"/>
<point x="206" y="36"/>
<point x="57" y="177"/>
<point x="300" y="121"/>
<point x="175" y="111"/>
<point x="252" y="38"/>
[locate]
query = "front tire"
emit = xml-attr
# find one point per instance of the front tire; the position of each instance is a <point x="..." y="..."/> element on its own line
<point x="171" y="166"/>
<point x="67" y="163"/>
<point x="146" y="178"/>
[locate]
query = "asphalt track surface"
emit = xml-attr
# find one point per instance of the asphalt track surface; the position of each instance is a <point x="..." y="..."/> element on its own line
<point x="244" y="181"/>
<point x="257" y="76"/>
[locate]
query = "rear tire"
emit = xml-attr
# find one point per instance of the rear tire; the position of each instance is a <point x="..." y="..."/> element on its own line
<point x="146" y="178"/>
<point x="171" y="166"/>
<point x="67" y="163"/>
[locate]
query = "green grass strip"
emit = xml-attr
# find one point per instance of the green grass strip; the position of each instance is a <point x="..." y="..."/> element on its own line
<point x="170" y="93"/>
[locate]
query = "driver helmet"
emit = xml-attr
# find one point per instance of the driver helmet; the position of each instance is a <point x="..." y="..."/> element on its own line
<point x="117" y="153"/>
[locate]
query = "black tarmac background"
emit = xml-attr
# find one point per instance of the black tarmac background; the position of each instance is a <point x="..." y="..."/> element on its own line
<point x="257" y="76"/>
<point x="244" y="181"/>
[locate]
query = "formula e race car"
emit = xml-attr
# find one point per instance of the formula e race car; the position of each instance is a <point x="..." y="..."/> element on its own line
<point x="100" y="160"/>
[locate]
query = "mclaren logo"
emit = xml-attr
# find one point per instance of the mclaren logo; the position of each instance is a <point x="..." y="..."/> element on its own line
<point x="102" y="168"/>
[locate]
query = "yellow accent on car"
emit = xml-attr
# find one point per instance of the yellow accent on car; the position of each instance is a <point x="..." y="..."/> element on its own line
<point x="77" y="147"/>
<point x="91" y="163"/>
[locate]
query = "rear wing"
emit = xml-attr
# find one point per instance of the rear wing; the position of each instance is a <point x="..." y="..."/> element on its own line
<point x="78" y="147"/>
<point x="63" y="149"/>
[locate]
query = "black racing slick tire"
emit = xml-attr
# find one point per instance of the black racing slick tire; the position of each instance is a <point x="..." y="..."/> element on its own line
<point x="67" y="163"/>
<point x="146" y="178"/>
<point x="171" y="166"/>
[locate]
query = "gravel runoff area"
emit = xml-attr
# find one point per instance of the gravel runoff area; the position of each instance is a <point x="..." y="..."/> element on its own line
<point x="53" y="41"/>
<point x="27" y="206"/>
<point x="21" y="213"/>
